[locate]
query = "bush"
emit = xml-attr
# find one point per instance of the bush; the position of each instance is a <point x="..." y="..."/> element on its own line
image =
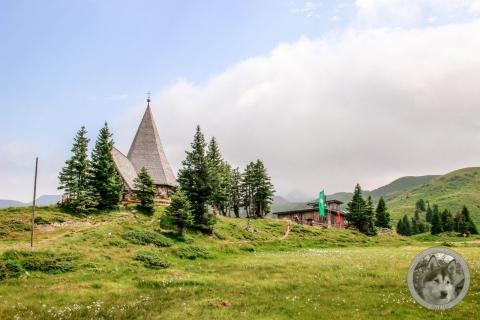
<point x="46" y="262"/>
<point x="10" y="269"/>
<point x="151" y="260"/>
<point x="118" y="243"/>
<point x="40" y="220"/>
<point x="191" y="252"/>
<point x="144" y="237"/>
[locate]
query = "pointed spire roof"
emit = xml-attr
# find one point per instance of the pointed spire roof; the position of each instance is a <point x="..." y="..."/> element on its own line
<point x="147" y="151"/>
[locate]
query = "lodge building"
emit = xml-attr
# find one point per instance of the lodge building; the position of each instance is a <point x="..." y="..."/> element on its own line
<point x="334" y="217"/>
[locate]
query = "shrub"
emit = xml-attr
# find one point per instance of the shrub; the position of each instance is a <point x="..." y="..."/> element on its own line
<point x="118" y="243"/>
<point x="191" y="252"/>
<point x="144" y="237"/>
<point x="10" y="269"/>
<point x="151" y="260"/>
<point x="40" y="220"/>
<point x="46" y="262"/>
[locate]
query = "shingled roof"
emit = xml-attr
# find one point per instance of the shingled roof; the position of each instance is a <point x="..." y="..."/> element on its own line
<point x="147" y="151"/>
<point x="125" y="167"/>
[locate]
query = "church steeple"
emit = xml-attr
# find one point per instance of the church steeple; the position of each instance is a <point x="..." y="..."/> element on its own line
<point x="147" y="151"/>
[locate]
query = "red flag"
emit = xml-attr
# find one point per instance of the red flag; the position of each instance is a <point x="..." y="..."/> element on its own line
<point x="339" y="218"/>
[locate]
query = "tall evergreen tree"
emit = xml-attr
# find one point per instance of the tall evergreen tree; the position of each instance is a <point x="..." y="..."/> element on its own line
<point x="415" y="228"/>
<point x="369" y="213"/>
<point x="472" y="227"/>
<point x="356" y="211"/>
<point x="257" y="190"/>
<point x="382" y="216"/>
<point x="194" y="180"/>
<point x="417" y="214"/>
<point x="106" y="184"/>
<point x="145" y="191"/>
<point x="75" y="176"/>
<point x="420" y="205"/>
<point x="400" y="227"/>
<point x="448" y="222"/>
<point x="436" y="224"/>
<point x="216" y="175"/>
<point x="429" y="214"/>
<point x="236" y="192"/>
<point x="407" y="226"/>
<point x="179" y="211"/>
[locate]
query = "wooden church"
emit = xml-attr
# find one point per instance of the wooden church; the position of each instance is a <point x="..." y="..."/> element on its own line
<point x="146" y="151"/>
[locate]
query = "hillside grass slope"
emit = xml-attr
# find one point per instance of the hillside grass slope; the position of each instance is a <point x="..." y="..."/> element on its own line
<point x="450" y="191"/>
<point x="121" y="267"/>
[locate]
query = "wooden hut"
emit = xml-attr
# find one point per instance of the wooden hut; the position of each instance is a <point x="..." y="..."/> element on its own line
<point x="311" y="215"/>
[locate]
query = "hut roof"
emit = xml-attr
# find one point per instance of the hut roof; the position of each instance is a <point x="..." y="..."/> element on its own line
<point x="125" y="167"/>
<point x="147" y="151"/>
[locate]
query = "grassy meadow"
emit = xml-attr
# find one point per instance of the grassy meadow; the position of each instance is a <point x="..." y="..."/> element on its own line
<point x="112" y="266"/>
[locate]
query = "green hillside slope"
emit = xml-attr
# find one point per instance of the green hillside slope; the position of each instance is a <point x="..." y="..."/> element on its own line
<point x="450" y="191"/>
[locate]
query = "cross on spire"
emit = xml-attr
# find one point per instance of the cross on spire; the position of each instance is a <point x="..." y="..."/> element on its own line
<point x="148" y="99"/>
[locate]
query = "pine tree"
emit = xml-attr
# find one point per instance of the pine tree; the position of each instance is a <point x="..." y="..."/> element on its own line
<point x="421" y="228"/>
<point x="145" y="191"/>
<point x="194" y="180"/>
<point x="179" y="211"/>
<point x="75" y="176"/>
<point x="257" y="190"/>
<point x="415" y="229"/>
<point x="105" y="182"/>
<point x="356" y="210"/>
<point x="400" y="227"/>
<point x="472" y="226"/>
<point x="236" y="192"/>
<point x="420" y="205"/>
<point x="436" y="224"/>
<point x="407" y="227"/>
<point x="448" y="222"/>
<point x="429" y="214"/>
<point x="369" y="213"/>
<point x="417" y="214"/>
<point x="216" y="176"/>
<point x="382" y="215"/>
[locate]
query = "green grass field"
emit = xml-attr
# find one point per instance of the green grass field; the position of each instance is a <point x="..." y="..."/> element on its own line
<point x="234" y="273"/>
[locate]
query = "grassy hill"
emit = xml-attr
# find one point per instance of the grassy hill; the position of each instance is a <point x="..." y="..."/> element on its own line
<point x="116" y="266"/>
<point x="450" y="191"/>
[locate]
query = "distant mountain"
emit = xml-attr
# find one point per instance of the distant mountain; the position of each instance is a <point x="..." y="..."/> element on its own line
<point x="44" y="200"/>
<point x="298" y="196"/>
<point x="279" y="200"/>
<point x="11" y="203"/>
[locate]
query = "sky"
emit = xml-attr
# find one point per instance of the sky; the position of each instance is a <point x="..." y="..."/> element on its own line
<point x="326" y="94"/>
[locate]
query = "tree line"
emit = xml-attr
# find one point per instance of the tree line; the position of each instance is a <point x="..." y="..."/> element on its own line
<point x="362" y="214"/>
<point x="210" y="186"/>
<point x="432" y="219"/>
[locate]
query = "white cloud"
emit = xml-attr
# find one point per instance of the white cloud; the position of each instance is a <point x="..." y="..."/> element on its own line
<point x="335" y="18"/>
<point x="363" y="106"/>
<point x="432" y="20"/>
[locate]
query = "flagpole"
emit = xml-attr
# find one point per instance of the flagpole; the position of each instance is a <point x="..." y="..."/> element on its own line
<point x="33" y="210"/>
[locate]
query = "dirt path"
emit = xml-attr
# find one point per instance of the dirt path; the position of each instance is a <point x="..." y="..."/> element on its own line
<point x="286" y="232"/>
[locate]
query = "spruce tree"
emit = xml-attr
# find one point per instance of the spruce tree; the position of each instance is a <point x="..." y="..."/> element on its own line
<point x="415" y="229"/>
<point x="75" y="175"/>
<point x="356" y="210"/>
<point x="472" y="226"/>
<point x="407" y="226"/>
<point x="216" y="175"/>
<point x="369" y="213"/>
<point x="417" y="214"/>
<point x="106" y="183"/>
<point x="179" y="211"/>
<point x="400" y="227"/>
<point x="420" y="205"/>
<point x="436" y="224"/>
<point x="429" y="214"/>
<point x="194" y="180"/>
<point x="448" y="222"/>
<point x="236" y="192"/>
<point x="382" y="215"/>
<point x="145" y="191"/>
<point x="421" y="228"/>
<point x="257" y="190"/>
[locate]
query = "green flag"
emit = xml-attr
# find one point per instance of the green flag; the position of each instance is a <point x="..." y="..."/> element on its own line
<point x="321" y="203"/>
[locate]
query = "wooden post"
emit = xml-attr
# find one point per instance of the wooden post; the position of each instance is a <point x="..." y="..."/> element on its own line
<point x="33" y="211"/>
